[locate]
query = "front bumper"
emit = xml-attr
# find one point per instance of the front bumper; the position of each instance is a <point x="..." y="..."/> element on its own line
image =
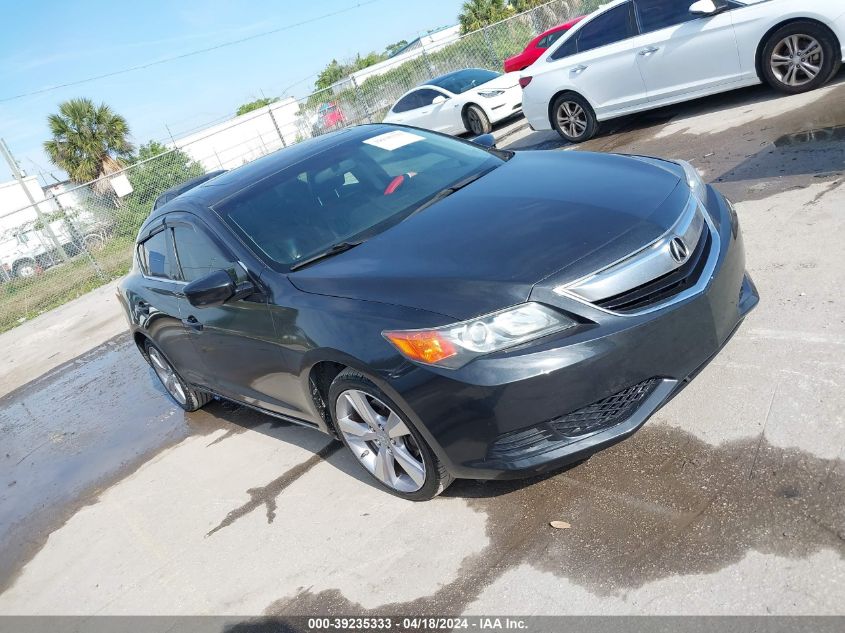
<point x="500" y="416"/>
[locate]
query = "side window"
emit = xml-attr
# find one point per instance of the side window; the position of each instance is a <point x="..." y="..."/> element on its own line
<point x="609" y="27"/>
<point x="156" y="256"/>
<point x="659" y="14"/>
<point x="197" y="254"/>
<point x="550" y="39"/>
<point x="569" y="47"/>
<point x="408" y="102"/>
<point x="426" y="96"/>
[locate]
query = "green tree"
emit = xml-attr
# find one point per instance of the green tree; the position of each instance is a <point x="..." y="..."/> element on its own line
<point x="155" y="169"/>
<point x="88" y="140"/>
<point x="476" y="14"/>
<point x="525" y="5"/>
<point x="391" y="49"/>
<point x="255" y="105"/>
<point x="331" y="74"/>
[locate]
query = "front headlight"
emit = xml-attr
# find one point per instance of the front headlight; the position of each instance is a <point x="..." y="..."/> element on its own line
<point x="453" y="346"/>
<point x="491" y="93"/>
<point x="694" y="181"/>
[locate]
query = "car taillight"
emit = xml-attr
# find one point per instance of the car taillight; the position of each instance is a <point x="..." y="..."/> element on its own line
<point x="524" y="81"/>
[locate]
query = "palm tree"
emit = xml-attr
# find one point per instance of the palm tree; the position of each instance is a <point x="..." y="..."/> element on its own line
<point x="476" y="14"/>
<point x="88" y="141"/>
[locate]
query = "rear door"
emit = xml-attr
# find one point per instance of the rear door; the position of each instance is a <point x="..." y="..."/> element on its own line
<point x="158" y="304"/>
<point x="403" y="111"/>
<point x="597" y="62"/>
<point x="679" y="53"/>
<point x="236" y="341"/>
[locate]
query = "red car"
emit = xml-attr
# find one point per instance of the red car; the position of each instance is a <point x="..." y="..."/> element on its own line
<point x="538" y="45"/>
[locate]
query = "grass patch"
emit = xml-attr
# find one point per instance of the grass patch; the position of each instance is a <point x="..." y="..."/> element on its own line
<point x="24" y="299"/>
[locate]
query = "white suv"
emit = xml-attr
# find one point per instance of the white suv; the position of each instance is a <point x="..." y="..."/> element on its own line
<point x="633" y="55"/>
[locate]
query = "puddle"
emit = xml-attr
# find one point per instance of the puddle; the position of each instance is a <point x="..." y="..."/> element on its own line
<point x="661" y="504"/>
<point x="820" y="135"/>
<point x="79" y="428"/>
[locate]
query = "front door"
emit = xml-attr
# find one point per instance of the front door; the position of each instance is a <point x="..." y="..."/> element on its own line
<point x="236" y="341"/>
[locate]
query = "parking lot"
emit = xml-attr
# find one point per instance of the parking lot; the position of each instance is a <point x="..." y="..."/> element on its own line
<point x="730" y="500"/>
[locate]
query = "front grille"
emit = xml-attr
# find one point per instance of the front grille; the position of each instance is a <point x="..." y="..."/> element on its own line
<point x="561" y="431"/>
<point x="604" y="413"/>
<point x="666" y="286"/>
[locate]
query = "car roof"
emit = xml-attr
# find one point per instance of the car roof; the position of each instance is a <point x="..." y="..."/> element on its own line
<point x="209" y="193"/>
<point x="182" y="187"/>
<point x="434" y="81"/>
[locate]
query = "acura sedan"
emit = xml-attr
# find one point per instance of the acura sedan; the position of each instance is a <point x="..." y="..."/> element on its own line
<point x="446" y="310"/>
<point x="469" y="100"/>
<point x="634" y="55"/>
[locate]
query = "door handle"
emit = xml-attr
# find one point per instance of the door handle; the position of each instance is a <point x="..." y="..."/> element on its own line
<point x="577" y="70"/>
<point x="192" y="323"/>
<point x="651" y="50"/>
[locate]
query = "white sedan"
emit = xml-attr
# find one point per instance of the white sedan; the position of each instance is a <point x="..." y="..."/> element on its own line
<point x="469" y="100"/>
<point x="633" y="55"/>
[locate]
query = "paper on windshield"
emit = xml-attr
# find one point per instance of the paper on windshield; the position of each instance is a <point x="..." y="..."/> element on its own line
<point x="394" y="140"/>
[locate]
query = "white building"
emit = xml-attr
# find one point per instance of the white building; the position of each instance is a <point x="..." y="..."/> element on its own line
<point x="237" y="141"/>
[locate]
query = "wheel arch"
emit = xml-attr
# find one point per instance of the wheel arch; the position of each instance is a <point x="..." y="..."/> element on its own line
<point x="758" y="54"/>
<point x="556" y="96"/>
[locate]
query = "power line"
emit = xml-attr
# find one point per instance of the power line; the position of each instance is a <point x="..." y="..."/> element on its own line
<point x="189" y="54"/>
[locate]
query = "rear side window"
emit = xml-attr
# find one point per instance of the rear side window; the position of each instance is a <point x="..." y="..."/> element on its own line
<point x="610" y="27"/>
<point x="569" y="47"/>
<point x="550" y="39"/>
<point x="408" y="102"/>
<point x="197" y="253"/>
<point x="659" y="14"/>
<point x="156" y="256"/>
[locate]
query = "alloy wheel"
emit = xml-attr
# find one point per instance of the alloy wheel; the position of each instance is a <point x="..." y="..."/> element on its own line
<point x="380" y="440"/>
<point x="167" y="376"/>
<point x="572" y="119"/>
<point x="797" y="59"/>
<point x="474" y="122"/>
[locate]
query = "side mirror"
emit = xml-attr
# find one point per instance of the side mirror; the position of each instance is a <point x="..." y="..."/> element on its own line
<point x="215" y="289"/>
<point x="705" y="7"/>
<point x="438" y="100"/>
<point x="485" y="140"/>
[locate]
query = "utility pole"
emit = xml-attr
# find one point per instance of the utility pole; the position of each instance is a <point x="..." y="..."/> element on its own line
<point x="16" y="172"/>
<point x="276" y="125"/>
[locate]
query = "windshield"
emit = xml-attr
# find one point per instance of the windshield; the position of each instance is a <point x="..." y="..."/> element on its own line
<point x="464" y="80"/>
<point x="350" y="192"/>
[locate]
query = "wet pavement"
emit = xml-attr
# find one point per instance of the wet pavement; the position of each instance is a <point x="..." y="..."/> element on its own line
<point x="730" y="500"/>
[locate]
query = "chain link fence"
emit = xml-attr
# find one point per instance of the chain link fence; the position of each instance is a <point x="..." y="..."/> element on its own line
<point x="78" y="237"/>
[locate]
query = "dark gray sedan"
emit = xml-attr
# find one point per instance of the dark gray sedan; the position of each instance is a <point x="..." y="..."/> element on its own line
<point x="445" y="309"/>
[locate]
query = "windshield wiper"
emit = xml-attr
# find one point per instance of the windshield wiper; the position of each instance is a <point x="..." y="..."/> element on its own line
<point x="334" y="249"/>
<point x="448" y="191"/>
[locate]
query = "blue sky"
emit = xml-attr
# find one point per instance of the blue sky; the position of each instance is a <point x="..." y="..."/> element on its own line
<point x="47" y="43"/>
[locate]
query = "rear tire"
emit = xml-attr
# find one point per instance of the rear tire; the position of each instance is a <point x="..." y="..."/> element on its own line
<point x="383" y="439"/>
<point x="799" y="57"/>
<point x="574" y="118"/>
<point x="180" y="391"/>
<point x="25" y="268"/>
<point x="476" y="121"/>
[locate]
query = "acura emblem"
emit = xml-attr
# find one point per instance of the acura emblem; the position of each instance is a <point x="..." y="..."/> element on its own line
<point x="678" y="250"/>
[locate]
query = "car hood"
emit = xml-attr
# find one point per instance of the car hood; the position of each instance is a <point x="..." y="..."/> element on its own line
<point x="502" y="82"/>
<point x="484" y="247"/>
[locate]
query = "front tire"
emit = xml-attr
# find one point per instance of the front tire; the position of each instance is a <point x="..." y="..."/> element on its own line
<point x="476" y="121"/>
<point x="383" y="440"/>
<point x="573" y="118"/>
<point x="799" y="57"/>
<point x="180" y="391"/>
